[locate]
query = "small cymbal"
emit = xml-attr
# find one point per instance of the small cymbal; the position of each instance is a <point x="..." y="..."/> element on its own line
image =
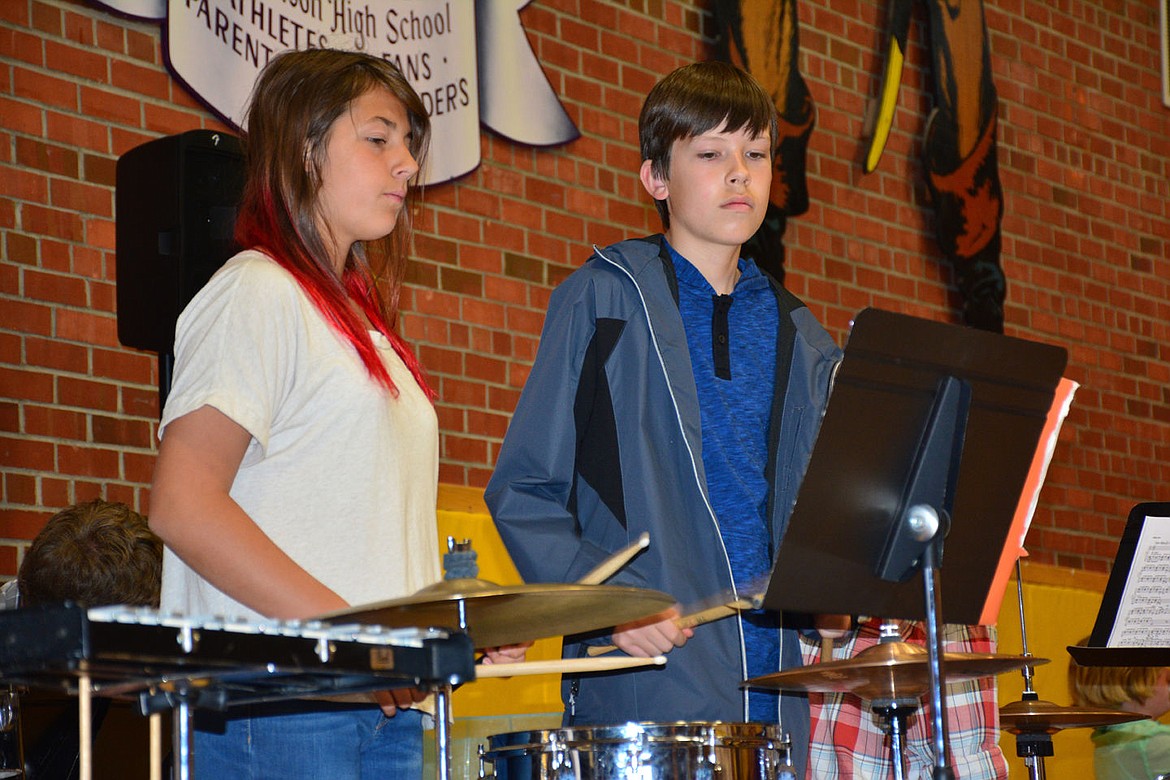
<point x="507" y="614"/>
<point x="890" y="670"/>
<point x="1043" y="717"/>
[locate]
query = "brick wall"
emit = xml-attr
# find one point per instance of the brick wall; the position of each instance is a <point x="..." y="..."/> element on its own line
<point x="1083" y="159"/>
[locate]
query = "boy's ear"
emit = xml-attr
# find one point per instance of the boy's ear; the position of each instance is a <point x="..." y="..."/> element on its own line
<point x="654" y="184"/>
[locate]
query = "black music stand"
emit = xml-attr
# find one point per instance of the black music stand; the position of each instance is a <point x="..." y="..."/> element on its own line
<point x="927" y="422"/>
<point x="1137" y="584"/>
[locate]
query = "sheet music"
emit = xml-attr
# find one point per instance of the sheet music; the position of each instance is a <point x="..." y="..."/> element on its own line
<point x="1029" y="497"/>
<point x="1143" y="616"/>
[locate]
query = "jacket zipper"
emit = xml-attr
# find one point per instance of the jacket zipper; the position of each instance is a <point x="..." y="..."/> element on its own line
<point x="694" y="466"/>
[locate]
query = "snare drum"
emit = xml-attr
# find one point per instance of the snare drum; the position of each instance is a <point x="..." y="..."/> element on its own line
<point x="641" y="751"/>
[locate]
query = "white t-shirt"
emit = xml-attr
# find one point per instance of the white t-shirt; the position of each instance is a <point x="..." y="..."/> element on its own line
<point x="340" y="474"/>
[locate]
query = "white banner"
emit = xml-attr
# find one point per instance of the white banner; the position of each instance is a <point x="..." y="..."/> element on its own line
<point x="143" y="9"/>
<point x="517" y="101"/>
<point x="458" y="54"/>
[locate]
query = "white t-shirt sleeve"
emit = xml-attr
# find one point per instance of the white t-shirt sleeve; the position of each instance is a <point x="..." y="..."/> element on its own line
<point x="234" y="347"/>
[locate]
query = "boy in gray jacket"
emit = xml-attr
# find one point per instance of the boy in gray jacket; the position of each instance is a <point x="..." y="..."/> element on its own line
<point x="677" y="390"/>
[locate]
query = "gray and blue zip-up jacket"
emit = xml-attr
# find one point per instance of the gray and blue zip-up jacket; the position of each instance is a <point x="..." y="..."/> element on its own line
<point x="606" y="443"/>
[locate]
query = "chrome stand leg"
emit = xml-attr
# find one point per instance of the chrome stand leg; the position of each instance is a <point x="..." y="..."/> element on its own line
<point x="897" y="749"/>
<point x="934" y="644"/>
<point x="443" y="732"/>
<point x="181" y="737"/>
<point x="1033" y="748"/>
<point x="896" y="712"/>
<point x="1035" y="766"/>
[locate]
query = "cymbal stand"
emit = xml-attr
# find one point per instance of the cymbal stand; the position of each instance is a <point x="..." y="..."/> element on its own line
<point x="183" y="721"/>
<point x="934" y="645"/>
<point x="919" y="533"/>
<point x="1029" y="692"/>
<point x="895" y="711"/>
<point x="1033" y="747"/>
<point x="442" y="732"/>
<point x="458" y="562"/>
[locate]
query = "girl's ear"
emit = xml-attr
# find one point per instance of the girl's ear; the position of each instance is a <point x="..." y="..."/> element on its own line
<point x="654" y="184"/>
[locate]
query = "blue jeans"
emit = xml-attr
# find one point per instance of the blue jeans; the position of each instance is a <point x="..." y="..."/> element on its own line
<point x="309" y="741"/>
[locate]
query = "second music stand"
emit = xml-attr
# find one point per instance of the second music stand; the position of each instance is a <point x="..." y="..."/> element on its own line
<point x="1133" y="621"/>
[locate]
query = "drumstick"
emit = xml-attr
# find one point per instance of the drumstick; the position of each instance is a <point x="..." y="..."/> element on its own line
<point x="610" y="566"/>
<point x="564" y="666"/>
<point x="831" y="628"/>
<point x="156" y="746"/>
<point x="693" y="619"/>
<point x="714" y="613"/>
<point x="85" y="727"/>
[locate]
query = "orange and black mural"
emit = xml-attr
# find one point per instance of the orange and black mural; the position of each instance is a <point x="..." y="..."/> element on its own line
<point x="960" y="155"/>
<point x="962" y="175"/>
<point x="761" y="36"/>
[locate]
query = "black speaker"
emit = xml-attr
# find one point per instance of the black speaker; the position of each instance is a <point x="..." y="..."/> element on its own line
<point x="176" y="200"/>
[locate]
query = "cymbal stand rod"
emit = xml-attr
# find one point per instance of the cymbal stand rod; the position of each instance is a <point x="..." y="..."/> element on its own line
<point x="1035" y="766"/>
<point x="442" y="731"/>
<point x="1033" y="748"/>
<point x="1029" y="692"/>
<point x="1030" y="747"/>
<point x="181" y="736"/>
<point x="443" y="712"/>
<point x="934" y="644"/>
<point x="897" y="748"/>
<point x="895" y="713"/>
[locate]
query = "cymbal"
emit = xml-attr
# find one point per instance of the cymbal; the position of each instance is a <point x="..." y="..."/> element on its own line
<point x="508" y="614"/>
<point x="1037" y="716"/>
<point x="890" y="670"/>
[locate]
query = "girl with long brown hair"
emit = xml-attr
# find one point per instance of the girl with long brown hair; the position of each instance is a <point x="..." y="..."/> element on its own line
<point x="298" y="464"/>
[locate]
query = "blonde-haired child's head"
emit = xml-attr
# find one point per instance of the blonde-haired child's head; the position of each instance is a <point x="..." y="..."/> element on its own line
<point x="1109" y="687"/>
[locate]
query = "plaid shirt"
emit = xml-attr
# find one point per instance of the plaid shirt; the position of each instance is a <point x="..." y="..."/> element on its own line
<point x="848" y="743"/>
